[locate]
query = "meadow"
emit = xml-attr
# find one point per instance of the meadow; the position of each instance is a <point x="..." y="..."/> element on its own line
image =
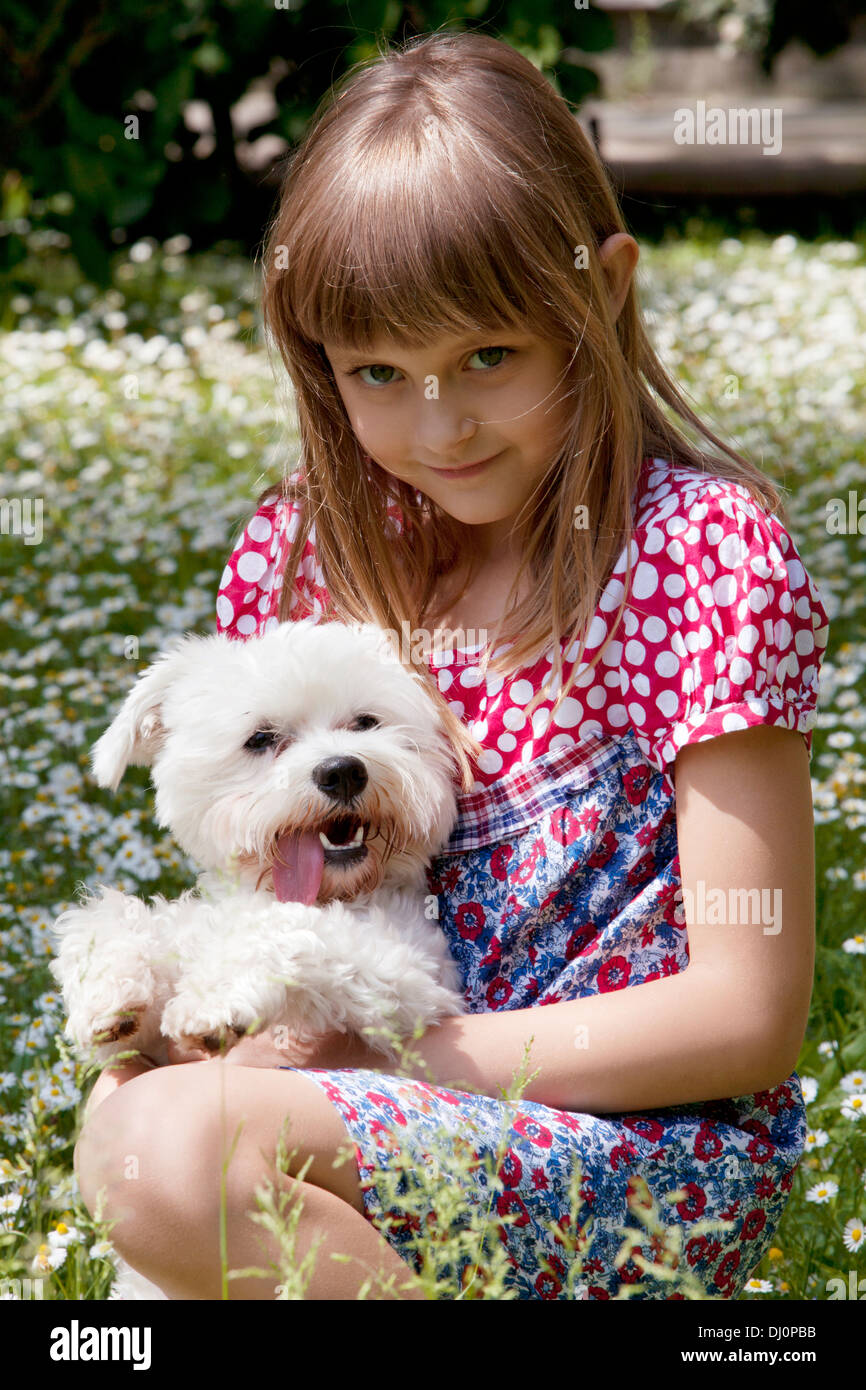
<point x="144" y="419"/>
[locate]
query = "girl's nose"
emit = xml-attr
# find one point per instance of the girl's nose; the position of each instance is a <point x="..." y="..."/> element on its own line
<point x="443" y="430"/>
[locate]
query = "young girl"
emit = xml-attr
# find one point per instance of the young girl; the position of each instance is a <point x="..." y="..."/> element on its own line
<point x="626" y="644"/>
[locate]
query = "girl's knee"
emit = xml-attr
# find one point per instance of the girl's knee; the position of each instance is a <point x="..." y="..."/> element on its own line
<point x="147" y="1152"/>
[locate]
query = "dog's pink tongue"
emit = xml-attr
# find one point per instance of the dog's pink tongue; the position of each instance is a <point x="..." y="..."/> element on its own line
<point x="298" y="866"/>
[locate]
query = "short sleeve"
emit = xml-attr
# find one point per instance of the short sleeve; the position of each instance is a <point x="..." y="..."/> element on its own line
<point x="725" y="628"/>
<point x="248" y="600"/>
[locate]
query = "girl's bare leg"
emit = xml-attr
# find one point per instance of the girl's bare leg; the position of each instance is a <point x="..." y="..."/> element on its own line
<point x="156" y="1143"/>
<point x="113" y="1075"/>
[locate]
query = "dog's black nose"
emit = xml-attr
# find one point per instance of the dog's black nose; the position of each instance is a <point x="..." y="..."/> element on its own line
<point x="340" y="778"/>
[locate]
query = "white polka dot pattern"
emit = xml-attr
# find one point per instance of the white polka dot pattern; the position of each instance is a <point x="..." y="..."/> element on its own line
<point x="724" y="630"/>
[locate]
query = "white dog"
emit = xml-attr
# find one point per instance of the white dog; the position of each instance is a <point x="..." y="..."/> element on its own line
<point x="309" y="774"/>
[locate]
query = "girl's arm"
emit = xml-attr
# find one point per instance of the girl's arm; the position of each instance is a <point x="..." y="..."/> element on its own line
<point x="733" y="1022"/>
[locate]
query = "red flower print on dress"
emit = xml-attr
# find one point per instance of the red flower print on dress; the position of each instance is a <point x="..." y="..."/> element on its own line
<point x="604" y="852"/>
<point x="643" y="1124"/>
<point x="772" y="1102"/>
<point x="563" y="826"/>
<point x="613" y="974"/>
<point x="760" y="1150"/>
<point x="641" y="871"/>
<point x="511" y="1169"/>
<point x="470" y="921"/>
<point x="588" y="819"/>
<point x="565" y="1117"/>
<point x="509" y="1204"/>
<point x="499" y="991"/>
<point x="447" y="880"/>
<point x="693" y="1205"/>
<point x="648" y="935"/>
<point x="580" y="939"/>
<point x="499" y="861"/>
<point x="708" y="1143"/>
<point x="548" y="1286"/>
<point x="450" y="1097"/>
<point x="636" y="784"/>
<point x="754" y="1223"/>
<point x="629" y="1272"/>
<point x="388" y="1105"/>
<point x="526" y="871"/>
<point x="536" y="1133"/>
<point x="646" y="835"/>
<point x="624" y="1154"/>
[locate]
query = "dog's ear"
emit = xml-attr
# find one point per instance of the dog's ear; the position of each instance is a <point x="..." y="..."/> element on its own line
<point x="136" y="733"/>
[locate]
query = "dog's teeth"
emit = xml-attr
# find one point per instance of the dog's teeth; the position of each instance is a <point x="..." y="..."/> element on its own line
<point x="357" y="839"/>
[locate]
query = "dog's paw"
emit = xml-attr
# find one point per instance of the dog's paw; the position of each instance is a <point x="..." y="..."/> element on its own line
<point x="218" y="1041"/>
<point x="115" y="1027"/>
<point x="204" y="1027"/>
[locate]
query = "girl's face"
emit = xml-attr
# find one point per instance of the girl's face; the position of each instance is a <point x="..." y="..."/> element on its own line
<point x="424" y="414"/>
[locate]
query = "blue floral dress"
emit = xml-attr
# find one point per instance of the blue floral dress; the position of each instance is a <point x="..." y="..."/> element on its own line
<point x="561" y="880"/>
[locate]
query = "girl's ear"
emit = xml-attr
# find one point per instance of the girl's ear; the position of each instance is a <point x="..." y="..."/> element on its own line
<point x="137" y="733"/>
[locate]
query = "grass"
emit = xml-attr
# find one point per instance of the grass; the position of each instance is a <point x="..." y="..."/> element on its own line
<point x="146" y="420"/>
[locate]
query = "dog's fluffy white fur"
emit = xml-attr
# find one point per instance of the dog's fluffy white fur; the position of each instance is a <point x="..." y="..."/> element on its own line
<point x="257" y="750"/>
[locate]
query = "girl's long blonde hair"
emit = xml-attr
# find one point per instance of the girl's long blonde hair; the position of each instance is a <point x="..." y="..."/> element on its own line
<point x="444" y="187"/>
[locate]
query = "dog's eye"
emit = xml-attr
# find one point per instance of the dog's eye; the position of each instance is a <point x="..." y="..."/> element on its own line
<point x="260" y="740"/>
<point x="365" y="721"/>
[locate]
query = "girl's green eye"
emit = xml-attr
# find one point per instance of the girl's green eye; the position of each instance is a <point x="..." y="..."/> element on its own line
<point x="483" y="352"/>
<point x="376" y="368"/>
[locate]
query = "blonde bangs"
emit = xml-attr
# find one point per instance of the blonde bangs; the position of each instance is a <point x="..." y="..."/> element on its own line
<point x="416" y="246"/>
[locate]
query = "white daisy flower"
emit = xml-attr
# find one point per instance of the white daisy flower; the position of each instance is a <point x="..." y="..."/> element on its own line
<point x="809" y="1087"/>
<point x="855" y="1082"/>
<point x="102" y="1250"/>
<point x="855" y="945"/>
<point x="62" y="1235"/>
<point x="10" y="1204"/>
<point x="855" y="1108"/>
<point x="822" y="1191"/>
<point x="757" y="1286"/>
<point x="827" y="1049"/>
<point x="854" y="1235"/>
<point x="816" y="1139"/>
<point x="48" y="1258"/>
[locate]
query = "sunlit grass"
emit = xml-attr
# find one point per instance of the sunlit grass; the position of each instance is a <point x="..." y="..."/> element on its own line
<point x="146" y="420"/>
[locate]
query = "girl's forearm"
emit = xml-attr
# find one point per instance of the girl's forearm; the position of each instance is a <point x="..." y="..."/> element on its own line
<point x="688" y="1037"/>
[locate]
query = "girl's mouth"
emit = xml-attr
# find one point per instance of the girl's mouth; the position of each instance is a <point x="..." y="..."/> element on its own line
<point x="470" y="472"/>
